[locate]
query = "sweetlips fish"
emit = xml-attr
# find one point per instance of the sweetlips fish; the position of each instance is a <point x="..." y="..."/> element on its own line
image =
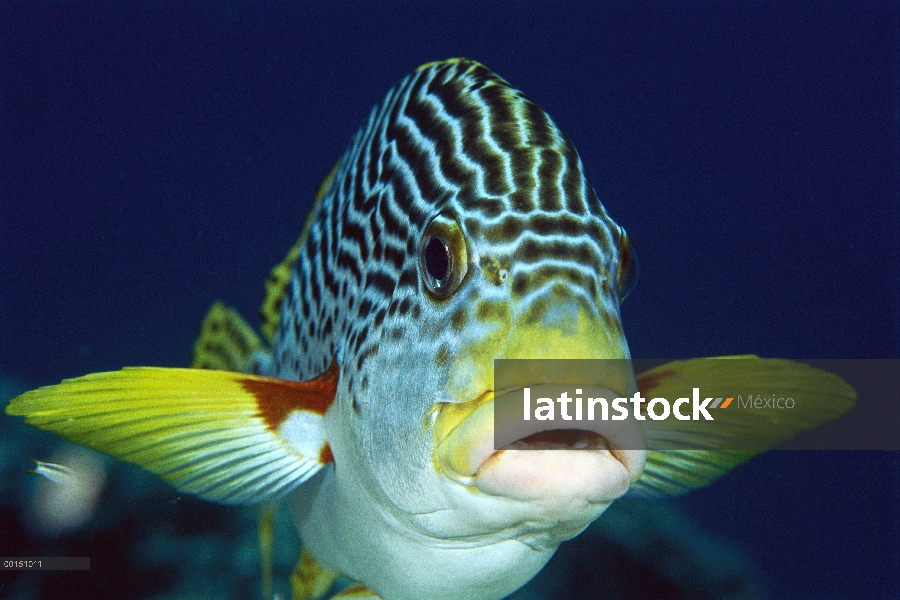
<point x="458" y="228"/>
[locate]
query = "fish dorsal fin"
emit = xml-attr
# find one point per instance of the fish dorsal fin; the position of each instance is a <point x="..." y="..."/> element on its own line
<point x="674" y="472"/>
<point x="226" y="342"/>
<point x="227" y="437"/>
<point x="276" y="283"/>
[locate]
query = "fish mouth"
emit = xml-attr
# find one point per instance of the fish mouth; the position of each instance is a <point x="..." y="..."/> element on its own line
<point x="596" y="462"/>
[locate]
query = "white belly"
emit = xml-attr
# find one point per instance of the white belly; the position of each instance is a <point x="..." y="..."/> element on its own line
<point x="355" y="537"/>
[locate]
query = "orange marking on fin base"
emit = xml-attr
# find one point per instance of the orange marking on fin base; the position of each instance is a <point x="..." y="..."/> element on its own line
<point x="276" y="398"/>
<point x="647" y="381"/>
<point x="325" y="456"/>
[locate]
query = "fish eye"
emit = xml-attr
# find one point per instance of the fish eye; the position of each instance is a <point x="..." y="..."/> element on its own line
<point x="627" y="273"/>
<point x="443" y="260"/>
<point x="437" y="257"/>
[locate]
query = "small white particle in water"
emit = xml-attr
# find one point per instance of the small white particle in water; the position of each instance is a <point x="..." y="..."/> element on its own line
<point x="67" y="494"/>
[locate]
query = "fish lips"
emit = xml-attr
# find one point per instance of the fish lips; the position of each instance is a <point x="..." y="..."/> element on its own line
<point x="593" y="461"/>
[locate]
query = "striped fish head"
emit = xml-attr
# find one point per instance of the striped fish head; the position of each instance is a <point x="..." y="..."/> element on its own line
<point x="459" y="228"/>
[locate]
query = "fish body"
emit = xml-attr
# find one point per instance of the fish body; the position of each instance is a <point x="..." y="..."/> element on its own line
<point x="458" y="228"/>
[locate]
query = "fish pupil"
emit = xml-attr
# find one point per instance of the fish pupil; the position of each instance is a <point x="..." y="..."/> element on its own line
<point x="437" y="258"/>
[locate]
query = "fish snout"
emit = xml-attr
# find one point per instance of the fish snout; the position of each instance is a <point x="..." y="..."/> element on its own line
<point x="593" y="461"/>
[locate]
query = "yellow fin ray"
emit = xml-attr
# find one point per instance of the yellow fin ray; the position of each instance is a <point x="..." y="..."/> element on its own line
<point x="266" y="539"/>
<point x="674" y="471"/>
<point x="214" y="434"/>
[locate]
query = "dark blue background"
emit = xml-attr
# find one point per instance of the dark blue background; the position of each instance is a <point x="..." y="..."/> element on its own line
<point x="157" y="157"/>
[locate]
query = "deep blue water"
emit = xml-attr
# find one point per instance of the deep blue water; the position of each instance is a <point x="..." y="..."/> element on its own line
<point x="156" y="157"/>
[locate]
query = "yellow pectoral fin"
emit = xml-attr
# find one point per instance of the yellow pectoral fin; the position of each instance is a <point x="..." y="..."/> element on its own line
<point x="227" y="437"/>
<point x="676" y="472"/>
<point x="741" y="432"/>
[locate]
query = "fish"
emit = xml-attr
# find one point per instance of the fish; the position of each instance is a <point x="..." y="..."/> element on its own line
<point x="459" y="227"/>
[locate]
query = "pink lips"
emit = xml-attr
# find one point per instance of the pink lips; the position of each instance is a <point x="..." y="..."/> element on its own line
<point x="592" y="475"/>
<point x="612" y="458"/>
